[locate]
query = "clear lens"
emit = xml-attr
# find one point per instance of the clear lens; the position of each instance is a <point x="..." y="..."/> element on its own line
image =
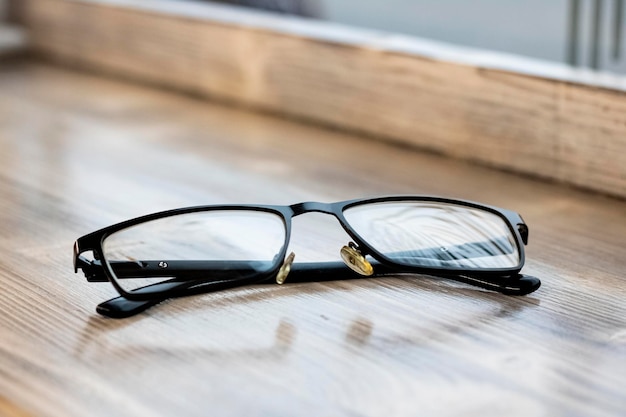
<point x="205" y="245"/>
<point x="436" y="235"/>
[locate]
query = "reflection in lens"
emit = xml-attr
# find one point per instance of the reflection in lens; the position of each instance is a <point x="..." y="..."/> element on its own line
<point x="206" y="245"/>
<point x="436" y="235"/>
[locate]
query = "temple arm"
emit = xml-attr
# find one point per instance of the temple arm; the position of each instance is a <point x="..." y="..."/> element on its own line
<point x="121" y="307"/>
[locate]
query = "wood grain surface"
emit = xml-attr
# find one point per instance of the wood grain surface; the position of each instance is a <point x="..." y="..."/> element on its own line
<point x="79" y="152"/>
<point x="564" y="124"/>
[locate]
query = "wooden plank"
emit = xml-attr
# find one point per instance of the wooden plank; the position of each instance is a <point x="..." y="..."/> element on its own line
<point x="550" y="126"/>
<point x="79" y="152"/>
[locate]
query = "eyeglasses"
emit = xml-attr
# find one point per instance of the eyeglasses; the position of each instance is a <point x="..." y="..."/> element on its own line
<point x="209" y="248"/>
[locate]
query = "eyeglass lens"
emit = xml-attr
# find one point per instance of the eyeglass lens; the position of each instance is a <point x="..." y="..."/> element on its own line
<point x="214" y="245"/>
<point x="434" y="234"/>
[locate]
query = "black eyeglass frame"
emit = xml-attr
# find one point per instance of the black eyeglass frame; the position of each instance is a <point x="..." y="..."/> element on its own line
<point x="505" y="280"/>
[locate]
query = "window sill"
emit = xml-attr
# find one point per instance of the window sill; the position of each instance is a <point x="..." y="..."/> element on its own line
<point x="518" y="114"/>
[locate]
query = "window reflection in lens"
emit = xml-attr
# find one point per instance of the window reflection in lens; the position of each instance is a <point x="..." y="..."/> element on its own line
<point x="223" y="243"/>
<point x="434" y="234"/>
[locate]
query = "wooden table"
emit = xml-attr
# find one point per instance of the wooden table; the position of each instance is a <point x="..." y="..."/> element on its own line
<point x="79" y="152"/>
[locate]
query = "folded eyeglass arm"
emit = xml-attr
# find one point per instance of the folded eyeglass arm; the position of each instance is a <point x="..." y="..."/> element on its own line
<point x="121" y="307"/>
<point x="194" y="277"/>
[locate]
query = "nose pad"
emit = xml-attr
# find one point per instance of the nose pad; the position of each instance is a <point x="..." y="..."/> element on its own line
<point x="355" y="260"/>
<point x="284" y="270"/>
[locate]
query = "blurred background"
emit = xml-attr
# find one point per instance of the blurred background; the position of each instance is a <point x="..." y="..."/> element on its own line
<point x="563" y="60"/>
<point x="585" y="33"/>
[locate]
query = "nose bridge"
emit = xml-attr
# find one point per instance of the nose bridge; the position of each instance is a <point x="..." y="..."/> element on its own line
<point x="312" y="206"/>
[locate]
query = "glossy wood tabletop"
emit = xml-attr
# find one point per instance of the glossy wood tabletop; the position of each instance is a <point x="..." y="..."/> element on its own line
<point x="79" y="152"/>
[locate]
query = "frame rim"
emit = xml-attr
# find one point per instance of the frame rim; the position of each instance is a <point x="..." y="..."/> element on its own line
<point x="94" y="240"/>
<point x="506" y="215"/>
